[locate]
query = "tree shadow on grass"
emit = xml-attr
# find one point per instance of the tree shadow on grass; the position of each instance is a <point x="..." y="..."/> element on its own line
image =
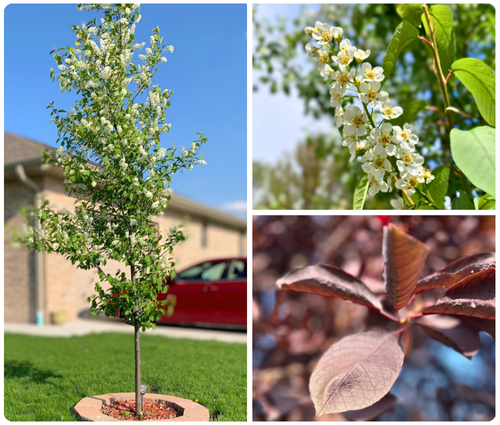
<point x="24" y="369"/>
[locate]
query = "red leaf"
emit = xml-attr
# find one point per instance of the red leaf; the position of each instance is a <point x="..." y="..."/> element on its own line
<point x="356" y="372"/>
<point x="485" y="325"/>
<point x="329" y="281"/>
<point x="457" y="271"/>
<point x="404" y="258"/>
<point x="452" y="332"/>
<point x="472" y="296"/>
<point x="374" y="411"/>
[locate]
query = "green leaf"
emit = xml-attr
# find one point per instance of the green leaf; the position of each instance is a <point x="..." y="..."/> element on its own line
<point x="360" y="192"/>
<point x="487" y="202"/>
<point x="131" y="196"/>
<point x="474" y="153"/>
<point x="462" y="203"/>
<point x="426" y="207"/>
<point x="480" y="81"/>
<point x="404" y="34"/>
<point x="410" y="113"/>
<point x="439" y="186"/>
<point x="442" y="21"/>
<point x="410" y="13"/>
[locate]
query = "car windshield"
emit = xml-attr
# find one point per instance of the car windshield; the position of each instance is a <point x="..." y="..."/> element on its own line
<point x="206" y="271"/>
<point x="238" y="270"/>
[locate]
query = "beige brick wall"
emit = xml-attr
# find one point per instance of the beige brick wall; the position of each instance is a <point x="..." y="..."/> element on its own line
<point x="19" y="263"/>
<point x="66" y="286"/>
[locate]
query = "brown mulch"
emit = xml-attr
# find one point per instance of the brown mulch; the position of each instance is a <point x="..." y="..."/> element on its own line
<point x="124" y="410"/>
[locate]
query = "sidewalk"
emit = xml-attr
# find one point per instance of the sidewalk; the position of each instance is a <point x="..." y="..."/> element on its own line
<point x="81" y="327"/>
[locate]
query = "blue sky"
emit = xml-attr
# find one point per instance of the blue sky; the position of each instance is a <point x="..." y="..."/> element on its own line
<point x="207" y="72"/>
<point x="273" y="132"/>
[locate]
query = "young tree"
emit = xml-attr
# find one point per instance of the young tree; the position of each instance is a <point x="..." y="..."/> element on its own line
<point x="116" y="168"/>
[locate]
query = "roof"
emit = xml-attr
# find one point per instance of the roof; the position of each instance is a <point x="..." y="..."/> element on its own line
<point x="17" y="149"/>
<point x="20" y="150"/>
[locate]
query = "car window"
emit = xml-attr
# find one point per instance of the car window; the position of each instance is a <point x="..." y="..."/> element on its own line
<point x="207" y="271"/>
<point x="238" y="270"/>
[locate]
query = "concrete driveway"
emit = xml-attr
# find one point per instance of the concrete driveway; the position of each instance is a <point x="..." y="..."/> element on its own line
<point x="87" y="326"/>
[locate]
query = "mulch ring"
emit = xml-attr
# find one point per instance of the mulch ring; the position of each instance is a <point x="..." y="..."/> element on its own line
<point x="124" y="410"/>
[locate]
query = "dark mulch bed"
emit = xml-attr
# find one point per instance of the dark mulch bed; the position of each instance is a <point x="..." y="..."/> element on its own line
<point x="153" y="411"/>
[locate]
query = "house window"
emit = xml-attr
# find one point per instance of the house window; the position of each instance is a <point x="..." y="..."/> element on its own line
<point x="204" y="227"/>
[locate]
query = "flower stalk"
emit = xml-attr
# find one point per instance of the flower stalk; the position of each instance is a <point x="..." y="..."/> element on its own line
<point x="387" y="153"/>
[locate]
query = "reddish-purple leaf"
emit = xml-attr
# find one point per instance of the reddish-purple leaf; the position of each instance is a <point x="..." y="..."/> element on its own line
<point x="457" y="271"/>
<point x="472" y="296"/>
<point x="356" y="372"/>
<point x="452" y="332"/>
<point x="329" y="281"/>
<point x="485" y="325"/>
<point x="374" y="411"/>
<point x="404" y="258"/>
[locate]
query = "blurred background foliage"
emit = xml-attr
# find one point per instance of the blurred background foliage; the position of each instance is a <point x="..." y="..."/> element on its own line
<point x="280" y="63"/>
<point x="436" y="383"/>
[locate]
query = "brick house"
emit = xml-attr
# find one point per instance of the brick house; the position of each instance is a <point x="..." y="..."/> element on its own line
<point x="210" y="234"/>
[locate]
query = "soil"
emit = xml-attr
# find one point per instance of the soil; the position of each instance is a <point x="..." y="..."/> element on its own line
<point x="124" y="410"/>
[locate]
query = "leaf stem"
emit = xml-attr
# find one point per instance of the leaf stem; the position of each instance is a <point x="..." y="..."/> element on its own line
<point x="388" y="315"/>
<point x="437" y="66"/>
<point x="401" y="329"/>
<point x="414" y="316"/>
<point x="426" y="41"/>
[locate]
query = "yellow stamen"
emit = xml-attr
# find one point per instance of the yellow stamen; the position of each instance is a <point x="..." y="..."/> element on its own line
<point x="407" y="158"/>
<point x="370" y="74"/>
<point x="388" y="111"/>
<point x="385" y="139"/>
<point x="358" y="121"/>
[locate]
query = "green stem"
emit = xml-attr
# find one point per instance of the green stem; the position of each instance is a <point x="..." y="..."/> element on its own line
<point x="369" y="115"/>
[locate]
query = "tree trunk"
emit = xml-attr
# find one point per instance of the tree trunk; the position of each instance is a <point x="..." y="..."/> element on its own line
<point x="139" y="402"/>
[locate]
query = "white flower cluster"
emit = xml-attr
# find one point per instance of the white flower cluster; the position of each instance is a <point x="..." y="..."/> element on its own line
<point x="388" y="152"/>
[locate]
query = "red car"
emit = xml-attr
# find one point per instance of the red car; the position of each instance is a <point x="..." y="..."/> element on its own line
<point x="212" y="292"/>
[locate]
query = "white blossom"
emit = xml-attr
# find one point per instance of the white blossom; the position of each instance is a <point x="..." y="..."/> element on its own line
<point x="370" y="93"/>
<point x="398" y="203"/>
<point x="389" y="112"/>
<point x="354" y="120"/>
<point x="321" y="33"/>
<point x="369" y="74"/>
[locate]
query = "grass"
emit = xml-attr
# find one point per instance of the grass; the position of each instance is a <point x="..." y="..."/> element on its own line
<point x="46" y="377"/>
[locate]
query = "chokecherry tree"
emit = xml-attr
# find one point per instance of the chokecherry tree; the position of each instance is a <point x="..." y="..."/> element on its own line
<point x="115" y="168"/>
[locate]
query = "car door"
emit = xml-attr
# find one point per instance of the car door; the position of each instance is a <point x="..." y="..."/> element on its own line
<point x="195" y="293"/>
<point x="232" y="294"/>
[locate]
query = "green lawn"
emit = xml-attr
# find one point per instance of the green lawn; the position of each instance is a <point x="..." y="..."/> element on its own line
<point x="45" y="377"/>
